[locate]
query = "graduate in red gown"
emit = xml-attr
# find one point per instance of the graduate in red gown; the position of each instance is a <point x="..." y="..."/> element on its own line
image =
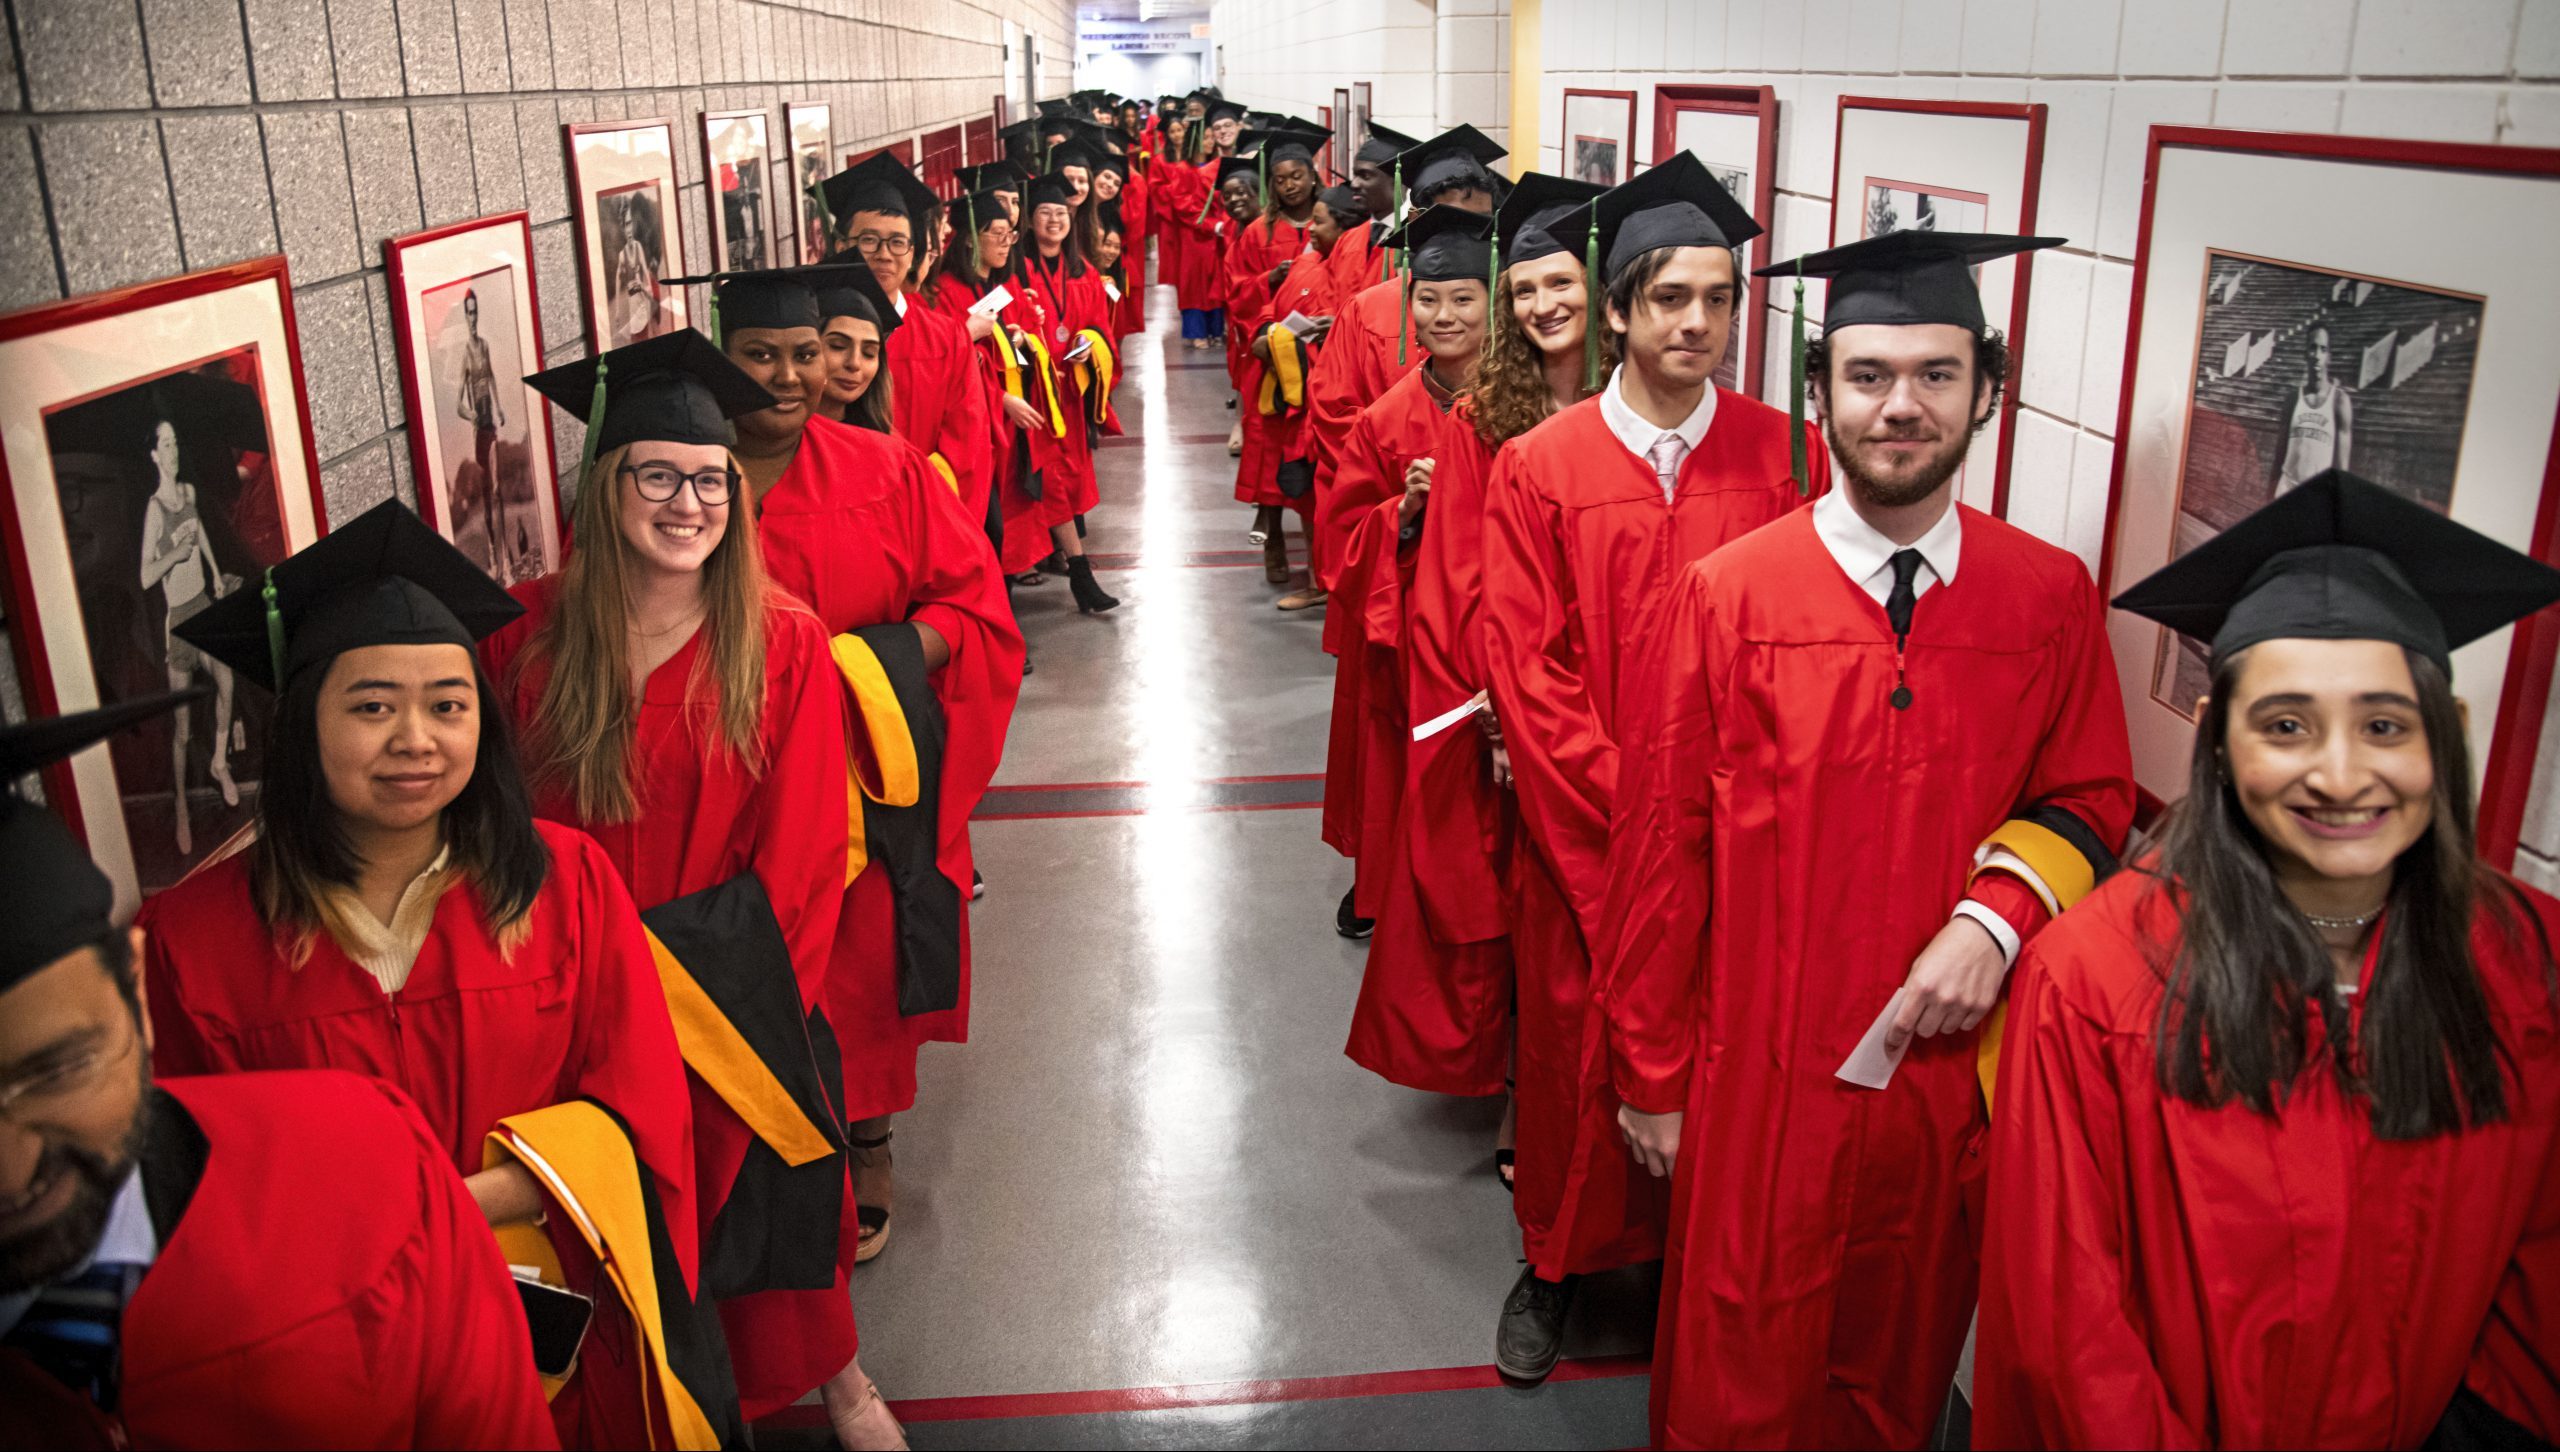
<point x="1361" y="260"/>
<point x="1073" y="319"/>
<point x="1107" y="241"/>
<point x="387" y="1319"/>
<point x="1120" y="194"/>
<point x="856" y="524"/>
<point x="1311" y="293"/>
<point x="2275" y="1157"/>
<point x="1589" y="516"/>
<point x="1370" y="347"/>
<point x="1028" y="418"/>
<point x="1384" y="460"/>
<point x="883" y="218"/>
<point x="722" y="773"/>
<point x="1435" y="1001"/>
<point x="1259" y="261"/>
<point x="1799" y="957"/>
<point x="1200" y="283"/>
<point x="402" y="914"/>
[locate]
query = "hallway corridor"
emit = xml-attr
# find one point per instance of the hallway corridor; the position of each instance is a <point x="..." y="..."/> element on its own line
<point x="1151" y="1203"/>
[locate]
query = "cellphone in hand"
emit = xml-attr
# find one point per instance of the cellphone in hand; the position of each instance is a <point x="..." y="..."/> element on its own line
<point x="558" y="1319"/>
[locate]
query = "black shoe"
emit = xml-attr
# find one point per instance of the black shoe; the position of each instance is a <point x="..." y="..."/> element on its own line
<point x="1090" y="598"/>
<point x="1531" y="1335"/>
<point x="977" y="884"/>
<point x="1350" y="924"/>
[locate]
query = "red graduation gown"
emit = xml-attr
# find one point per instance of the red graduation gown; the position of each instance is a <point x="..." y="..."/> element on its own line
<point x="1026" y="529"/>
<point x="1364" y="746"/>
<point x="1199" y="283"/>
<point x="1359" y="366"/>
<point x="1402" y="426"/>
<point x="1579" y="546"/>
<point x="703" y="820"/>
<point x="1786" y="843"/>
<point x="330" y="1285"/>
<point x="1252" y="305"/>
<point x="862" y="529"/>
<point x="1358" y="260"/>
<point x="2174" y="1276"/>
<point x="575" y="1012"/>
<point x="940" y="404"/>
<point x="1435" y="1000"/>
<point x="1068" y="305"/>
<point x="1137" y="223"/>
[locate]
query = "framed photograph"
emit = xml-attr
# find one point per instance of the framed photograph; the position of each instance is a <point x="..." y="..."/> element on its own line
<point x="1344" y="143"/>
<point x="737" y="164"/>
<point x="1949" y="166"/>
<point x="2274" y="336"/>
<point x="1734" y="131"/>
<point x="1360" y="114"/>
<point x="1599" y="136"/>
<point x="811" y="129"/>
<point x="1325" y="172"/>
<point x="622" y="183"/>
<point x="157" y="455"/>
<point x="469" y="328"/>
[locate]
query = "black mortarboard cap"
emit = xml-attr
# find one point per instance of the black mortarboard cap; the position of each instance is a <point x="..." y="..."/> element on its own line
<point x="1904" y="278"/>
<point x="852" y="292"/>
<point x="1111" y="161"/>
<point x="2340" y="558"/>
<point x="1045" y="190"/>
<point x="1285" y="143"/>
<point x="1263" y="118"/>
<point x="1540" y="203"/>
<point x="1447" y="244"/>
<point x="972" y="213"/>
<point x="1459" y="154"/>
<point x="879" y="183"/>
<point x="777" y="297"/>
<point x="1107" y="216"/>
<point x="1056" y="107"/>
<point x="1676" y="204"/>
<point x="1249" y="167"/>
<point x="1345" y="204"/>
<point x="1073" y="153"/>
<point x="383" y="578"/>
<point x="990" y="176"/>
<point x="674" y="387"/>
<point x="1383" y="145"/>
<point x="58" y="899"/>
<point x="1026" y="131"/>
<point x="1220" y="110"/>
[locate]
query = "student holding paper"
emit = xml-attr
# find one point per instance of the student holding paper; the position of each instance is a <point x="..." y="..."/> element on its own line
<point x="976" y="284"/>
<point x="2276" y="1161"/>
<point x="1868" y="749"/>
<point x="1260" y="260"/>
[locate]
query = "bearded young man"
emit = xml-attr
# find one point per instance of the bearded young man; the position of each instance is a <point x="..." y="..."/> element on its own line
<point x="1870" y="749"/>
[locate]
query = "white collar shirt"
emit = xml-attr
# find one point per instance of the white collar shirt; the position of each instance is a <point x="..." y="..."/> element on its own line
<point x="1664" y="450"/>
<point x="1865" y="554"/>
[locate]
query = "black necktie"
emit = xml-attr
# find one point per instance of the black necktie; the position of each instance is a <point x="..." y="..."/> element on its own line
<point x="1897" y="606"/>
<point x="1897" y="609"/>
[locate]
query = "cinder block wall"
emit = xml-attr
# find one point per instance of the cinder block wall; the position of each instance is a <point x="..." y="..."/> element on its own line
<point x="144" y="138"/>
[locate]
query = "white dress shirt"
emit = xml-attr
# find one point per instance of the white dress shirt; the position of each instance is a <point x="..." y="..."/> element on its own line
<point x="1865" y="554"/>
<point x="129" y="1239"/>
<point x="1662" y="449"/>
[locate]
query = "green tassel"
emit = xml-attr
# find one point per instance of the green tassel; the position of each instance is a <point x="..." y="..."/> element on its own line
<point x="1795" y="396"/>
<point x="275" y="627"/>
<point x="1595" y="309"/>
<point x="1262" y="177"/>
<point x="977" y="260"/>
<point x="1493" y="268"/>
<point x="716" y="340"/>
<point x="595" y="427"/>
<point x="1404" y="319"/>
<point x="826" y="221"/>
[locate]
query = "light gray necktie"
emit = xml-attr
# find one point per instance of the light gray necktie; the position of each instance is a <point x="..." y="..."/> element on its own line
<point x="1666" y="454"/>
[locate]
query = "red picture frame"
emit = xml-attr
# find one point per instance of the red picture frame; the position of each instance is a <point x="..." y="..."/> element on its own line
<point x="978" y="141"/>
<point x="2515" y="738"/>
<point x="1570" y="137"/>
<point x="1338" y="153"/>
<point x="2031" y="115"/>
<point x="1760" y="105"/>
<point x="586" y="221"/>
<point x="400" y="256"/>
<point x="941" y="153"/>
<point x="1324" y="160"/>
<point x="904" y="148"/>
<point x="30" y="608"/>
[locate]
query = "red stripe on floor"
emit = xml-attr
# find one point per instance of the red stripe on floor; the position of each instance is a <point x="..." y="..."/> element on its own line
<point x="1110" y="786"/>
<point x="1219" y="1394"/>
<point x="986" y="816"/>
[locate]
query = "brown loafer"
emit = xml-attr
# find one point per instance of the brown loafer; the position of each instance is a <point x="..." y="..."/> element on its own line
<point x="1275" y="560"/>
<point x="1306" y="599"/>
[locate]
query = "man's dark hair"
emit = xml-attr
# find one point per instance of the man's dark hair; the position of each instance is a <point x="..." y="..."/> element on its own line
<point x="115" y="954"/>
<point x="1628" y="287"/>
<point x="1990" y="366"/>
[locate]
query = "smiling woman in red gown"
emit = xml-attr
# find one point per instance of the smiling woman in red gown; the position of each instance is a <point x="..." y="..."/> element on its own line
<point x="2275" y="1157"/>
<point x="689" y="715"/>
<point x="402" y="914"/>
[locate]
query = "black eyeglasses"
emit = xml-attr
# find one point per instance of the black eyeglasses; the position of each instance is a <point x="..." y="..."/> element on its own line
<point x="868" y="243"/>
<point x="658" y="483"/>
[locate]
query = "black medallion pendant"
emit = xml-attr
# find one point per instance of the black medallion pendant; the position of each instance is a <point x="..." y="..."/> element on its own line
<point x="1902" y="698"/>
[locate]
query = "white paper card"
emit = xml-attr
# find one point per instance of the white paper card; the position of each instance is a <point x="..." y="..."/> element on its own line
<point x="1449" y="718"/>
<point x="994" y="302"/>
<point x="1298" y="323"/>
<point x="1109" y="291"/>
<point x="1870" y="1065"/>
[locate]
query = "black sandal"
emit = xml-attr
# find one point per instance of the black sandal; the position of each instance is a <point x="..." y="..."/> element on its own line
<point x="1506" y="1169"/>
<point x="871" y="1221"/>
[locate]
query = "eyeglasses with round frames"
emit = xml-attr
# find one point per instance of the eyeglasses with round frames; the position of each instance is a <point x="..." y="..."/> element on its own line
<point x="658" y="483"/>
<point x="39" y="1097"/>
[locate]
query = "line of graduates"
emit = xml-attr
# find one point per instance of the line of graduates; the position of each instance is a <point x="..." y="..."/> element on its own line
<point x="591" y="929"/>
<point x="1761" y="818"/>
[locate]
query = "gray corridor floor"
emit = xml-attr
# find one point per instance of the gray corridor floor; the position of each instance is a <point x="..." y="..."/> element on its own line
<point x="1152" y="1167"/>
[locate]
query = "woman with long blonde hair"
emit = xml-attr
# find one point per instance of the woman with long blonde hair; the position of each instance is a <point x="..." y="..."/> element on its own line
<point x="689" y="716"/>
<point x="1434" y="1013"/>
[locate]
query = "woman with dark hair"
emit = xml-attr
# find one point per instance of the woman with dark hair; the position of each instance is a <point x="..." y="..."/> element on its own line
<point x="1067" y="295"/>
<point x="859" y="526"/>
<point x="403" y="914"/>
<point x="2275" y="1156"/>
<point x="1261" y="251"/>
<point x="1120" y="183"/>
<point x="687" y="711"/>
<point x="1028" y="423"/>
<point x="1434" y="1009"/>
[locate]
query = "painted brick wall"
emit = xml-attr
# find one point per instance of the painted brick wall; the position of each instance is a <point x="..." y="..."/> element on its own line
<point x="144" y="138"/>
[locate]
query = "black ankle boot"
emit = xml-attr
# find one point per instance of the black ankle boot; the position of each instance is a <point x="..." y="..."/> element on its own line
<point x="1088" y="593"/>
